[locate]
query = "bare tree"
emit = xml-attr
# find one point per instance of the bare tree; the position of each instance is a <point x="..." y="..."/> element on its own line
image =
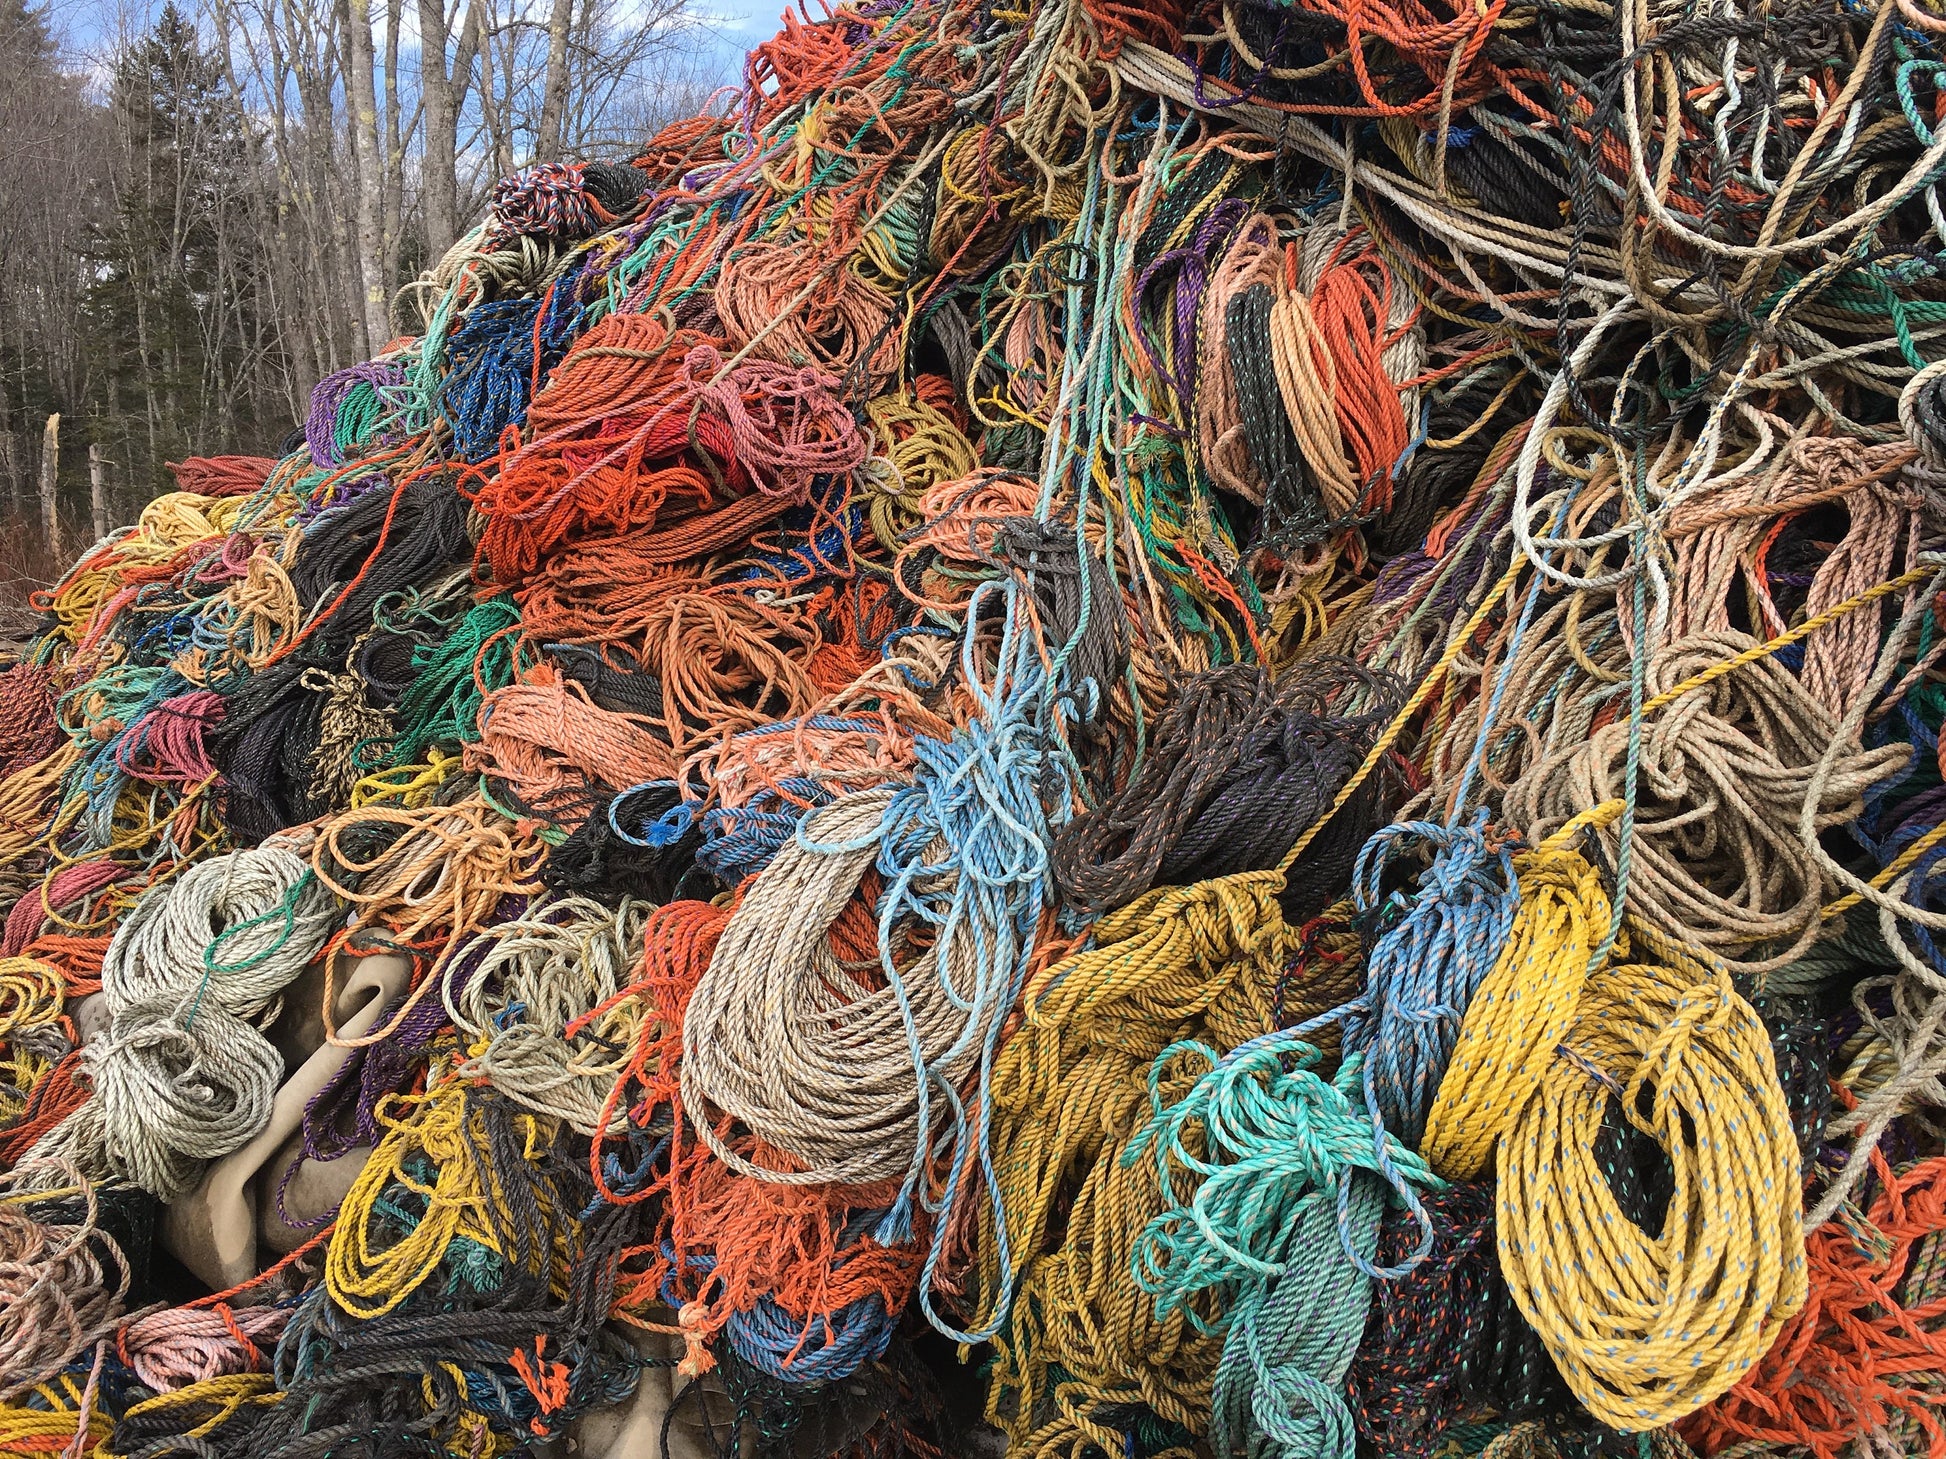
<point x="97" y="490"/>
<point x="201" y="266"/>
<point x="369" y="184"/>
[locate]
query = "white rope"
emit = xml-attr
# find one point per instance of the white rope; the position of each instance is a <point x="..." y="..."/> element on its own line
<point x="184" y="1074"/>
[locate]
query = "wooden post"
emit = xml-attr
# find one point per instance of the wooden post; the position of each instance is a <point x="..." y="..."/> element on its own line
<point x="98" y="489"/>
<point x="50" y="474"/>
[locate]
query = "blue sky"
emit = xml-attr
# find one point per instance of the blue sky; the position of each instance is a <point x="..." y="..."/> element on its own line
<point x="751" y="20"/>
<point x="731" y="26"/>
<point x="740" y="24"/>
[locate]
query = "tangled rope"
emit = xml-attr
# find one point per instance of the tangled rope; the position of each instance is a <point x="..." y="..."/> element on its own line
<point x="1236" y="704"/>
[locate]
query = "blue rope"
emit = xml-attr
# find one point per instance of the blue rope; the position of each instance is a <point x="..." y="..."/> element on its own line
<point x="963" y="851"/>
<point x="823" y="1350"/>
<point x="1423" y="969"/>
<point x="491" y="370"/>
<point x="741" y="842"/>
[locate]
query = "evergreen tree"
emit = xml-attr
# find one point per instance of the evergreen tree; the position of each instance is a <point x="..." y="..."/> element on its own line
<point x="40" y="108"/>
<point x="176" y="300"/>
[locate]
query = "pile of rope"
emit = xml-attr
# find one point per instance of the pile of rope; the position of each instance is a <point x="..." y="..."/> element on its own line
<point x="1203" y="728"/>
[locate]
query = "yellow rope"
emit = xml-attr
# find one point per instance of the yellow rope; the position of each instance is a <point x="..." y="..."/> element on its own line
<point x="368" y="1271"/>
<point x="1896" y="868"/>
<point x="409" y="787"/>
<point x="173" y="521"/>
<point x="1648" y="1328"/>
<point x="225" y="1397"/>
<point x="37" y="1431"/>
<point x="1070" y="1089"/>
<point x="1525" y="1005"/>
<point x="919" y="446"/>
<point x="31" y="996"/>
<point x="53" y="1425"/>
<point x="26" y="796"/>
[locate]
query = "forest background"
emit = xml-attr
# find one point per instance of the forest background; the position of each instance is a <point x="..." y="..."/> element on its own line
<point x="208" y="205"/>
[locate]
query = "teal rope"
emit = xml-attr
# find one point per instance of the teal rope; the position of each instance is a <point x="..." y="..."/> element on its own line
<point x="442" y="705"/>
<point x="1279" y="1385"/>
<point x="1275" y="1130"/>
<point x="1274" y="1157"/>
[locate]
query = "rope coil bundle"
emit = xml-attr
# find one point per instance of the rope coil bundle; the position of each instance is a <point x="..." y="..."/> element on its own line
<point x="1647" y="1325"/>
<point x="183" y="1075"/>
<point x="1235" y="703"/>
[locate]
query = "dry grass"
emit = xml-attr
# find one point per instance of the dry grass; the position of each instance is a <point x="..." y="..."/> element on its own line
<point x="25" y="565"/>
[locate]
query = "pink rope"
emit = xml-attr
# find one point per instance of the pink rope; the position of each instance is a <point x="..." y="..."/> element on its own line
<point x="183" y="1345"/>
<point x="70" y="884"/>
<point x="167" y="745"/>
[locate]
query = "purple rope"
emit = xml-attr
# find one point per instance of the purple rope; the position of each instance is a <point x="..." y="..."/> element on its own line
<point x="343" y="492"/>
<point x="1398" y="576"/>
<point x="321" y="427"/>
<point x="1192" y="266"/>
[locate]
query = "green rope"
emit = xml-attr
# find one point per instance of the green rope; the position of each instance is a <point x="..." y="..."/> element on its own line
<point x="442" y="707"/>
<point x="1279" y="1384"/>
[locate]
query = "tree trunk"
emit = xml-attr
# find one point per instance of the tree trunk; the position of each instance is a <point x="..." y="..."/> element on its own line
<point x="554" y="96"/>
<point x="438" y="167"/>
<point x="98" y="489"/>
<point x="491" y="112"/>
<point x="394" y="177"/>
<point x="50" y="475"/>
<point x="443" y="95"/>
<point x="361" y="90"/>
<point x="7" y="458"/>
<point x="151" y="407"/>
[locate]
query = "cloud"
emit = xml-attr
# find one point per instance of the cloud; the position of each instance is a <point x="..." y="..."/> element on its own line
<point x="747" y="18"/>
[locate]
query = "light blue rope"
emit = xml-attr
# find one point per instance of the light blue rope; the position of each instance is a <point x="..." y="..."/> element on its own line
<point x="1425" y="967"/>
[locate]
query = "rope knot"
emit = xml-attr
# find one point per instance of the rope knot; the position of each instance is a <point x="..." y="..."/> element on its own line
<point x="547" y="1381"/>
<point x="693" y="1319"/>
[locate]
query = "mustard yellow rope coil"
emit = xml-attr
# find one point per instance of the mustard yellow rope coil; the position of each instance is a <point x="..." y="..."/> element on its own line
<point x="31" y="997"/>
<point x="1648" y="1328"/>
<point x="26" y="798"/>
<point x="920" y="446"/>
<point x="31" y="993"/>
<point x="1070" y="1089"/>
<point x="37" y="1431"/>
<point x="1525" y="1006"/>
<point x="54" y="1425"/>
<point x="169" y="523"/>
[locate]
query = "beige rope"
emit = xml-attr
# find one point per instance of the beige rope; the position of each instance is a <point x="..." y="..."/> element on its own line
<point x="811" y="1054"/>
<point x="184" y="1075"/>
<point x="565" y="957"/>
<point x="1725" y="772"/>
